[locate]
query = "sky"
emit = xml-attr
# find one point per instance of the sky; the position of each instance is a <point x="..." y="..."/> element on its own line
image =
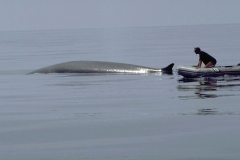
<point x="78" y="14"/>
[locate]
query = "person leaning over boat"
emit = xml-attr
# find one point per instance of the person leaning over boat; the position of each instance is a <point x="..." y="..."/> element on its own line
<point x="204" y="57"/>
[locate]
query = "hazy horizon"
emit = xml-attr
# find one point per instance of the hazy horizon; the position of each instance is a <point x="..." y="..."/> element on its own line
<point x="84" y="14"/>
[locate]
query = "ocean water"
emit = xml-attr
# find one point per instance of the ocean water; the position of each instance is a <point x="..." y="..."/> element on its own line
<point x="121" y="116"/>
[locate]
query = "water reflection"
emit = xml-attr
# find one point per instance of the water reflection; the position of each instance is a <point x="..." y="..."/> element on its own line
<point x="207" y="112"/>
<point x="202" y="88"/>
<point x="210" y="112"/>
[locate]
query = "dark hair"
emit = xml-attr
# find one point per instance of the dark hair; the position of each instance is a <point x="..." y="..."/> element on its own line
<point x="197" y="49"/>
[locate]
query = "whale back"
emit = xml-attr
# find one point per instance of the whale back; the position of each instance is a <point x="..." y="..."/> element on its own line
<point x="95" y="67"/>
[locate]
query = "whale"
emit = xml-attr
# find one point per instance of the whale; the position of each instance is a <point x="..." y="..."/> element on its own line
<point x="100" y="67"/>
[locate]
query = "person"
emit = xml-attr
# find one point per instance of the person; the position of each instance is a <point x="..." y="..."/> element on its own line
<point x="204" y="57"/>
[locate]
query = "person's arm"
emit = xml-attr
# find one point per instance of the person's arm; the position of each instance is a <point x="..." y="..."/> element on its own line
<point x="199" y="64"/>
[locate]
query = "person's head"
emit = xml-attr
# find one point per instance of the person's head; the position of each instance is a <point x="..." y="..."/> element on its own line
<point x="197" y="50"/>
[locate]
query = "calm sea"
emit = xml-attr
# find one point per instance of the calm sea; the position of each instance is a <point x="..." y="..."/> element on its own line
<point x="116" y="117"/>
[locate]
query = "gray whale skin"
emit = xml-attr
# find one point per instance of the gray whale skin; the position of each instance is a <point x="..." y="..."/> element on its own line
<point x="100" y="67"/>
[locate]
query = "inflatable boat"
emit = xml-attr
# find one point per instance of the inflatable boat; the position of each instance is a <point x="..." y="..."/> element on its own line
<point x="193" y="72"/>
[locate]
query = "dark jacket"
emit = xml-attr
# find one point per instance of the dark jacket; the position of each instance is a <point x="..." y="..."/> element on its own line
<point x="206" y="58"/>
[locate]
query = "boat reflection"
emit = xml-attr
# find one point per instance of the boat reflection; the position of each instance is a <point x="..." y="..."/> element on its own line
<point x="202" y="88"/>
<point x="207" y="112"/>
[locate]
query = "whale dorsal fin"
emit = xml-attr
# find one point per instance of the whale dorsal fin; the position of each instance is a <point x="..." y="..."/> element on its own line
<point x="168" y="68"/>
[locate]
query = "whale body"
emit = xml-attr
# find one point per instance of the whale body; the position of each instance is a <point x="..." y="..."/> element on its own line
<point x="100" y="67"/>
